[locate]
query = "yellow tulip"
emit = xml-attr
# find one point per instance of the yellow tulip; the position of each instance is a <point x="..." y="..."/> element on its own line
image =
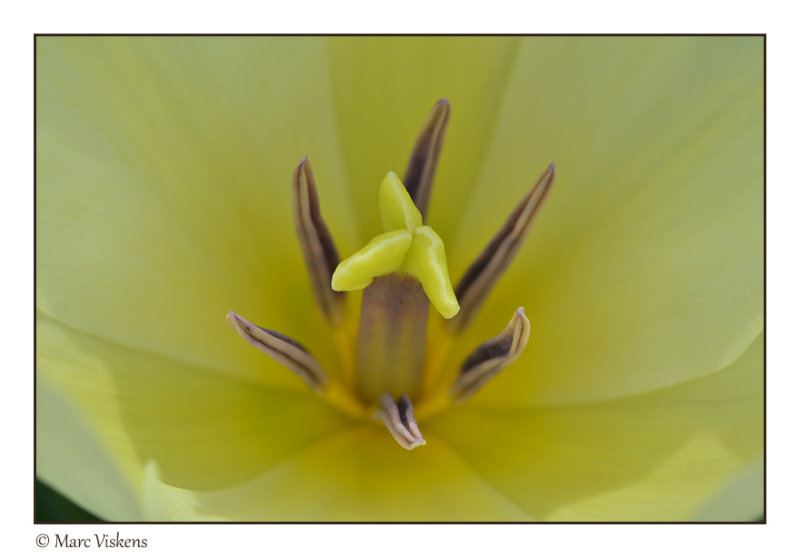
<point x="164" y="199"/>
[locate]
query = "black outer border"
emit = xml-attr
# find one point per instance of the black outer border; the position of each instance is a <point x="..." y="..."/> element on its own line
<point x="763" y="521"/>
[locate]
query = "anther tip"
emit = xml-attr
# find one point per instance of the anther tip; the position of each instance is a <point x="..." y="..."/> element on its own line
<point x="442" y="109"/>
<point x="300" y="174"/>
<point x="235" y="322"/>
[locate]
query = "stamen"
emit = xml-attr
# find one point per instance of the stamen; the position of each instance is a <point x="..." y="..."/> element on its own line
<point x="399" y="419"/>
<point x="422" y="165"/>
<point x="486" y="270"/>
<point x="491" y="357"/>
<point x="316" y="243"/>
<point x="283" y="349"/>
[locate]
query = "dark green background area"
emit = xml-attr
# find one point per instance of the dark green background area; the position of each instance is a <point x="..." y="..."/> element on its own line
<point x="51" y="507"/>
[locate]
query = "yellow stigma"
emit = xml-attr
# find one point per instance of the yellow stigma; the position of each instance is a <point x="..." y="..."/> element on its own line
<point x="406" y="246"/>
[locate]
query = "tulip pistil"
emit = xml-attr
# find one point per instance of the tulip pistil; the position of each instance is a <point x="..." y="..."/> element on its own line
<point x="390" y="352"/>
<point x="399" y="271"/>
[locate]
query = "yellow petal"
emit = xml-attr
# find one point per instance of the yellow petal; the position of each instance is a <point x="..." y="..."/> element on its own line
<point x="396" y="206"/>
<point x="644" y="268"/>
<point x="164" y="188"/>
<point x="371" y="75"/>
<point x="66" y="448"/>
<point x="426" y="260"/>
<point x="334" y="480"/>
<point x="740" y="499"/>
<point x="204" y="429"/>
<point x="384" y="254"/>
<point x="653" y="457"/>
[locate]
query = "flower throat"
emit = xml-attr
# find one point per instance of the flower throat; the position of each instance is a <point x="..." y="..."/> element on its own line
<point x="389" y="363"/>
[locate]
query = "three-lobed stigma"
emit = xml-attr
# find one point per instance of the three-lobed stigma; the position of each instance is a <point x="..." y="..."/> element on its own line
<point x="385" y="368"/>
<point x="406" y="247"/>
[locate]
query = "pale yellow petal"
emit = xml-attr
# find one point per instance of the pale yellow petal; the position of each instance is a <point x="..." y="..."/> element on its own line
<point x="204" y="429"/>
<point x="164" y="170"/>
<point x="384" y="88"/>
<point x="740" y="499"/>
<point x="71" y="459"/>
<point x="645" y="266"/>
<point x="358" y="475"/>
<point x="653" y="457"/>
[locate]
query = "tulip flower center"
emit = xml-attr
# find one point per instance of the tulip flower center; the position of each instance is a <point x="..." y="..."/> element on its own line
<point x="386" y="371"/>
